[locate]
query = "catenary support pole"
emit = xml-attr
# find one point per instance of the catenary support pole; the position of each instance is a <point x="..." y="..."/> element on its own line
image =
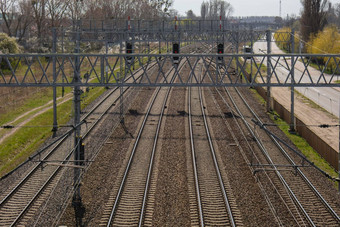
<point x="54" y="50"/>
<point x="77" y="204"/>
<point x="269" y="37"/>
<point x="62" y="51"/>
<point x="121" y="79"/>
<point x="292" y="118"/>
<point x="251" y="49"/>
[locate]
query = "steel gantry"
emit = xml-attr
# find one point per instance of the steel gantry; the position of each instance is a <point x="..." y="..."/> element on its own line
<point x="49" y="70"/>
<point x="81" y="70"/>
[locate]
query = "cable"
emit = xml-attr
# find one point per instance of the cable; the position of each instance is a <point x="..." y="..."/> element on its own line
<point x="319" y="126"/>
<point x="308" y="43"/>
<point x="34" y="126"/>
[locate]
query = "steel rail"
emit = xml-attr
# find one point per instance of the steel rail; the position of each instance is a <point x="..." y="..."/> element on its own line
<point x="292" y="194"/>
<point x="194" y="164"/>
<point x="249" y="162"/>
<point x="217" y="168"/>
<point x="53" y="175"/>
<point x="303" y="176"/>
<point x="61" y="141"/>
<point x="147" y="184"/>
<point x="128" y="166"/>
<point x="265" y="153"/>
<point x="277" y="172"/>
<point x="4" y="200"/>
<point x="261" y="186"/>
<point x="246" y="159"/>
<point x="263" y="149"/>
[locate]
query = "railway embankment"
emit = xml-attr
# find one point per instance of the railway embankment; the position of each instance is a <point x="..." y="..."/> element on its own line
<point x="308" y="118"/>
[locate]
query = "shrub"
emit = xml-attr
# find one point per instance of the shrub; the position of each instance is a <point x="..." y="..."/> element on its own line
<point x="8" y="45"/>
<point x="282" y="38"/>
<point x="326" y="42"/>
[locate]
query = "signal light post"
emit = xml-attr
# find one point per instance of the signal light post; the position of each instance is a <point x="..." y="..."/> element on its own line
<point x="175" y="50"/>
<point x="220" y="50"/>
<point x="129" y="50"/>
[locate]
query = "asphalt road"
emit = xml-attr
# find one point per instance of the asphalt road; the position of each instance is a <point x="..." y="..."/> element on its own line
<point x="327" y="98"/>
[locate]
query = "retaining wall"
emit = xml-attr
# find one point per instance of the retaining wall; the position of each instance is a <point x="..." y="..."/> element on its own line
<point x="318" y="144"/>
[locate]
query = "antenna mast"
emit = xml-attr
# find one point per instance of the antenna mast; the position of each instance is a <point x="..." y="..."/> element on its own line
<point x="280" y="8"/>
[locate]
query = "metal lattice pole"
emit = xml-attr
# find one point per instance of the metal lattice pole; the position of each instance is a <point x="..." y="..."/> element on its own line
<point x="54" y="50"/>
<point x="269" y="36"/>
<point x="78" y="152"/>
<point x="292" y="118"/>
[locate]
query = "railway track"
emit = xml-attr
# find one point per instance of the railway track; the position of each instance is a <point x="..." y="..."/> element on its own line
<point x="302" y="201"/>
<point x="20" y="203"/>
<point x="127" y="204"/>
<point x="214" y="205"/>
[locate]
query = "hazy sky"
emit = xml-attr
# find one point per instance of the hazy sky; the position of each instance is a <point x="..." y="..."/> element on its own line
<point x="248" y="7"/>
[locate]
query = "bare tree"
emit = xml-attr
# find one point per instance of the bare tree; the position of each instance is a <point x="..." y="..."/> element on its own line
<point x="56" y="9"/>
<point x="204" y="10"/>
<point x="74" y="9"/>
<point x="16" y="16"/>
<point x="8" y="12"/>
<point x="337" y="14"/>
<point x="313" y="18"/>
<point x="333" y="16"/>
<point x="39" y="17"/>
<point x="216" y="8"/>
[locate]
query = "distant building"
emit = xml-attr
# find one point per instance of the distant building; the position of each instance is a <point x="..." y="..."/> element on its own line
<point x="256" y="19"/>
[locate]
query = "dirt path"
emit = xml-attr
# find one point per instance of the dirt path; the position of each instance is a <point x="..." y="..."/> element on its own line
<point x="42" y="109"/>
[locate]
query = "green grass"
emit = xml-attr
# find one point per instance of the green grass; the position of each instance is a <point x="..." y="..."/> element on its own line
<point x="18" y="147"/>
<point x="36" y="100"/>
<point x="303" y="146"/>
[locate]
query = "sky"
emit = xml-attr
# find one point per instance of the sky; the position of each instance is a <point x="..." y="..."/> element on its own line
<point x="248" y="7"/>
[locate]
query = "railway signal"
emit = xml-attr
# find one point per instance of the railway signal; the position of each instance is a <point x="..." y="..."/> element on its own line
<point x="220" y="50"/>
<point x="175" y="50"/>
<point x="247" y="50"/>
<point x="129" y="50"/>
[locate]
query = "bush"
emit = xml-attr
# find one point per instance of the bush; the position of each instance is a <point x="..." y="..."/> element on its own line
<point x="282" y="38"/>
<point x="8" y="45"/>
<point x="326" y="42"/>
